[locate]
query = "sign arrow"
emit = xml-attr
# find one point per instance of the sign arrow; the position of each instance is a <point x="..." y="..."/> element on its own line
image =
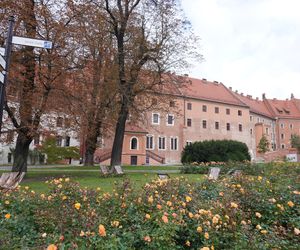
<point x="2" y="62"/>
<point x="32" y="42"/>
<point x="2" y="51"/>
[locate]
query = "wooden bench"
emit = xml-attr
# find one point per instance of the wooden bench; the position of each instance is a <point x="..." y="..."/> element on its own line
<point x="163" y="176"/>
<point x="9" y="181"/>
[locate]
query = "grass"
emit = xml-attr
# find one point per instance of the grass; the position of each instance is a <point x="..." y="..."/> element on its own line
<point x="90" y="176"/>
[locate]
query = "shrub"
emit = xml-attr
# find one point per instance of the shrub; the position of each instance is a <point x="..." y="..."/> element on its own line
<point x="215" y="150"/>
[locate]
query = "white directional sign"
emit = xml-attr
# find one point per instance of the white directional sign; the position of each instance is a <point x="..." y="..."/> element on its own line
<point x="2" y="62"/>
<point x="32" y="42"/>
<point x="2" y="51"/>
<point x="1" y="78"/>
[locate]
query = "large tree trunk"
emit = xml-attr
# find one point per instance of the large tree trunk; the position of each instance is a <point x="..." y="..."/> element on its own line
<point x="91" y="145"/>
<point x="116" y="154"/>
<point x="21" y="153"/>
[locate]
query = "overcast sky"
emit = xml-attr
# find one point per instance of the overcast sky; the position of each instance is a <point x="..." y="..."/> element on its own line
<point x="251" y="45"/>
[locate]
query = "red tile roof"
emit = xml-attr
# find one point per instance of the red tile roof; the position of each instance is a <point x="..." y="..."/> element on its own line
<point x="210" y="91"/>
<point x="283" y="108"/>
<point x="256" y="106"/>
<point x="131" y="128"/>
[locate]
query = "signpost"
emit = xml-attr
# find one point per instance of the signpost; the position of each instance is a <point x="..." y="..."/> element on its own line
<point x="5" y="57"/>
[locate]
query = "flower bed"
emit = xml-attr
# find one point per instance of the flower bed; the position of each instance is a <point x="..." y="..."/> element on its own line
<point x="249" y="212"/>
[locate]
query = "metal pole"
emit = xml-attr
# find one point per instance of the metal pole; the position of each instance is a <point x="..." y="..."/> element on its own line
<point x="7" y="53"/>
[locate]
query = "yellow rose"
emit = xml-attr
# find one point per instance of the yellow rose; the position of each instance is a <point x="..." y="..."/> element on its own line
<point x="7" y="216"/>
<point x="199" y="229"/>
<point x="291" y="204"/>
<point x="206" y="235"/>
<point x="150" y="199"/>
<point x="147" y="238"/>
<point x="233" y="205"/>
<point x="148" y="216"/>
<point x="258" y="215"/>
<point x="188" y="199"/>
<point x="77" y="205"/>
<point x="263" y="231"/>
<point x="101" y="230"/>
<point x="52" y="247"/>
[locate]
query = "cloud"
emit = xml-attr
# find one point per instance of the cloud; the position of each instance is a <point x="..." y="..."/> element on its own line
<point x="251" y="45"/>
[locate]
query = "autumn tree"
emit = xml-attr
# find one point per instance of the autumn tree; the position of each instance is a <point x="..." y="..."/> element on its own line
<point x="263" y="145"/>
<point x="39" y="71"/>
<point x="92" y="89"/>
<point x="151" y="38"/>
<point x="295" y="142"/>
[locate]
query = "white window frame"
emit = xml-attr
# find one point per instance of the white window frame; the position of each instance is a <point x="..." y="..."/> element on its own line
<point x="172" y="138"/>
<point x="153" y="142"/>
<point x="173" y="120"/>
<point x="137" y="143"/>
<point x="152" y="118"/>
<point x="165" y="145"/>
<point x="204" y="120"/>
<point x="188" y="143"/>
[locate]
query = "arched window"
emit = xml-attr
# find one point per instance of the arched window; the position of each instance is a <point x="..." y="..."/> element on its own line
<point x="134" y="143"/>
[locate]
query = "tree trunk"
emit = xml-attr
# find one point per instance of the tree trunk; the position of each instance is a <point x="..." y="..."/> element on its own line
<point x="91" y="145"/>
<point x="21" y="153"/>
<point x="116" y="154"/>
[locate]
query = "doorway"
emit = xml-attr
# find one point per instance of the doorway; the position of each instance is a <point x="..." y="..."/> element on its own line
<point x="133" y="160"/>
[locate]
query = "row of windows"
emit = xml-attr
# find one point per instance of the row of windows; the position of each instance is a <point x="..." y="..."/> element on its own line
<point x="169" y="119"/>
<point x="161" y="142"/>
<point x="217" y="125"/>
<point x="291" y="126"/>
<point x="217" y="109"/>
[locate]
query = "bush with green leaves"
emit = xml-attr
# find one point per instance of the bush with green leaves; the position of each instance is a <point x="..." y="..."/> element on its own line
<point x="247" y="212"/>
<point x="215" y="150"/>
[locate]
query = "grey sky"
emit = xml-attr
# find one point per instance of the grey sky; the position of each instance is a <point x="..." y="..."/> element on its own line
<point x="250" y="45"/>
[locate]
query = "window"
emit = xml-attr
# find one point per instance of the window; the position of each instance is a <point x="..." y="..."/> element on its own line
<point x="189" y="106"/>
<point x="10" y="136"/>
<point x="258" y="120"/>
<point x="59" y="122"/>
<point x="281" y="125"/>
<point x="227" y="111"/>
<point x="188" y="143"/>
<point x="217" y="110"/>
<point x="170" y="120"/>
<point x="174" y="143"/>
<point x="251" y="118"/>
<point x="240" y="127"/>
<point x="67" y="141"/>
<point x="282" y="136"/>
<point x="172" y="104"/>
<point x="282" y="146"/>
<point x="36" y="140"/>
<point x="149" y="142"/>
<point x="291" y="126"/>
<point x="204" y="124"/>
<point x="228" y="126"/>
<point x="204" y="108"/>
<point x="239" y="112"/>
<point x="161" y="143"/>
<point x="189" y="122"/>
<point x="133" y="143"/>
<point x="58" y="141"/>
<point x="251" y="131"/>
<point x="155" y="118"/>
<point x="267" y="131"/>
<point x="217" y="125"/>
<point x="67" y="123"/>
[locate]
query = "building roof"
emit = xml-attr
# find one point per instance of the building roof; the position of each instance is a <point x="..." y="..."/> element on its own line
<point x="210" y="91"/>
<point x="283" y="108"/>
<point x="132" y="128"/>
<point x="256" y="106"/>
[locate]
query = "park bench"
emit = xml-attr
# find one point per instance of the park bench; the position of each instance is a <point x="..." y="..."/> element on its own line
<point x="163" y="176"/>
<point x="9" y="181"/>
<point x="213" y="173"/>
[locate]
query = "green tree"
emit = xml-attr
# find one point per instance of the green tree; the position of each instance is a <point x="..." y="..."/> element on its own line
<point x="295" y="142"/>
<point x="55" y="153"/>
<point x="263" y="145"/>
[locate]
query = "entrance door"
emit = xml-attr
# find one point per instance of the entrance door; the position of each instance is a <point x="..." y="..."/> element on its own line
<point x="133" y="160"/>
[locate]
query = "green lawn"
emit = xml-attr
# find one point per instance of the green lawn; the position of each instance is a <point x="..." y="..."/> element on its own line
<point x="90" y="176"/>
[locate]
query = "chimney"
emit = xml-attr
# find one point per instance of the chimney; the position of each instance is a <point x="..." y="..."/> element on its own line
<point x="292" y="96"/>
<point x="236" y="91"/>
<point x="263" y="96"/>
<point x="256" y="99"/>
<point x="242" y="94"/>
<point x="186" y="75"/>
<point x="249" y="96"/>
<point x="204" y="79"/>
<point x="230" y="88"/>
<point x="216" y="82"/>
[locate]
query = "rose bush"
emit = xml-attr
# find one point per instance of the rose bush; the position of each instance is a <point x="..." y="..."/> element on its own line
<point x="248" y="212"/>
